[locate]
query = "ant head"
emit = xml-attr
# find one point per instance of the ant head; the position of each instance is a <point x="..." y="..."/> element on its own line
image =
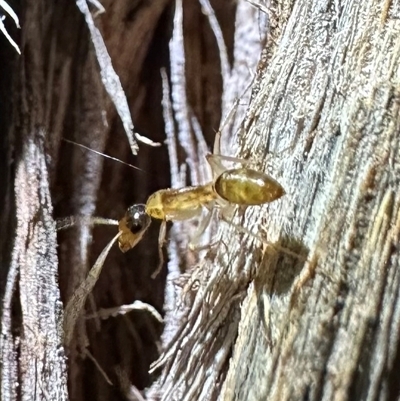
<point x="132" y="226"/>
<point x="136" y="218"/>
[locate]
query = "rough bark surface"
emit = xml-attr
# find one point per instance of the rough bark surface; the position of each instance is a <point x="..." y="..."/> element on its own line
<point x="34" y="351"/>
<point x="312" y="311"/>
<point x="259" y="323"/>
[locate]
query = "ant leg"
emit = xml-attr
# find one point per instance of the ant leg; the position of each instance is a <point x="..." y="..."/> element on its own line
<point x="227" y="210"/>
<point x="217" y="143"/>
<point x="217" y="167"/>
<point x="228" y="119"/>
<point x="204" y="223"/>
<point x="215" y="164"/>
<point x="161" y="240"/>
<point x="215" y="160"/>
<point x="261" y="238"/>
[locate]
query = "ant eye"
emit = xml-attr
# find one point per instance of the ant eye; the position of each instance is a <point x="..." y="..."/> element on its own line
<point x="137" y="218"/>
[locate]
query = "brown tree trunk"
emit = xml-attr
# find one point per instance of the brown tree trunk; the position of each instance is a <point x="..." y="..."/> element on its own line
<point x="250" y="321"/>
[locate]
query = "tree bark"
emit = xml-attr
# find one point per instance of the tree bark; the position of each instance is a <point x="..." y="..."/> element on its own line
<point x="294" y="300"/>
<point x="258" y="323"/>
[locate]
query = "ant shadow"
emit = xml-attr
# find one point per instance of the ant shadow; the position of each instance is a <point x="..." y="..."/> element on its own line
<point x="280" y="267"/>
<point x="282" y="274"/>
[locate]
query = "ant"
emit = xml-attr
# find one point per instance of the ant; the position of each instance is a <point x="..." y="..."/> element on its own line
<point x="230" y="187"/>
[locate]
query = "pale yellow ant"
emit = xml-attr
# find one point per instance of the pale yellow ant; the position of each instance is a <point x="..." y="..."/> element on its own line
<point x="230" y="187"/>
<point x="236" y="186"/>
<point x="241" y="186"/>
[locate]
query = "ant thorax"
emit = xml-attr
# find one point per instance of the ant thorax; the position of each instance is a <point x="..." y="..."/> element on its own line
<point x="179" y="204"/>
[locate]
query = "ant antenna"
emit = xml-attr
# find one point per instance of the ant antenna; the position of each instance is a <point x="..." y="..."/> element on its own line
<point x="101" y="154"/>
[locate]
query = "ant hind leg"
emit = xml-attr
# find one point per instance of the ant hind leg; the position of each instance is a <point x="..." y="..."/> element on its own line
<point x="217" y="167"/>
<point x="203" y="224"/>
<point x="227" y="217"/>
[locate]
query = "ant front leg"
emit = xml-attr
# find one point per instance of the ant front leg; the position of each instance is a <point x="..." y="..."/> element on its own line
<point x="161" y="241"/>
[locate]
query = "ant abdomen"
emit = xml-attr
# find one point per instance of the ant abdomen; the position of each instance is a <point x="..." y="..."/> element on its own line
<point x="244" y="186"/>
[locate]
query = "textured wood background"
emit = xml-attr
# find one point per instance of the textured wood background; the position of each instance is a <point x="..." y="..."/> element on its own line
<point x="248" y="321"/>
